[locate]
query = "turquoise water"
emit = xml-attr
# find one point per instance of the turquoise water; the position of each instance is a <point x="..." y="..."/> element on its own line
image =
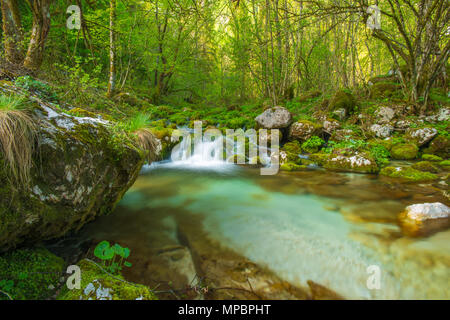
<point x="320" y="226"/>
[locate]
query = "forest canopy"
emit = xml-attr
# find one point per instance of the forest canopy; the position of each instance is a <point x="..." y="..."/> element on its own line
<point x="227" y="51"/>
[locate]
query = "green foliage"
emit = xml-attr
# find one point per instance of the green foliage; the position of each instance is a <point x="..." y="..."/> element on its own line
<point x="107" y="254"/>
<point x="380" y="153"/>
<point x="12" y="102"/>
<point x="29" y="273"/>
<point x="35" y="86"/>
<point x="139" y="121"/>
<point x="313" y="144"/>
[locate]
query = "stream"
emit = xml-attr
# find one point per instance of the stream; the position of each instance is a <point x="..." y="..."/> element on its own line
<point x="191" y="220"/>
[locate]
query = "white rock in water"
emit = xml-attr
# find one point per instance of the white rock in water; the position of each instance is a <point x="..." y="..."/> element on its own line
<point x="425" y="211"/>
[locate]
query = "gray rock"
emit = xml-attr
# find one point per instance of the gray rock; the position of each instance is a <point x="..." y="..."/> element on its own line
<point x="382" y="131"/>
<point x="79" y="173"/>
<point x="421" y="135"/>
<point x="274" y="118"/>
<point x="330" y="125"/>
<point x="385" y="115"/>
<point x="303" y="130"/>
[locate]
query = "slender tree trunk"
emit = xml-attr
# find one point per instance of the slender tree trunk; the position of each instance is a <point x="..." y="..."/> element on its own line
<point x="41" y="27"/>
<point x="112" y="49"/>
<point x="12" y="31"/>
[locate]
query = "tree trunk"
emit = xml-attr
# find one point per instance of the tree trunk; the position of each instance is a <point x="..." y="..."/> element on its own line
<point x="12" y="32"/>
<point x="41" y="26"/>
<point x="112" y="49"/>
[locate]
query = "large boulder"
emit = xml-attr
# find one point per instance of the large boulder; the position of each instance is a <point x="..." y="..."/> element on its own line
<point x="439" y="146"/>
<point x="421" y="135"/>
<point x="81" y="170"/>
<point x="274" y="118"/>
<point x="303" y="130"/>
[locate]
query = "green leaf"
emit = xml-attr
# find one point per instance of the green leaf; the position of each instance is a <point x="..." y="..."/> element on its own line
<point x="127" y="264"/>
<point x="103" y="251"/>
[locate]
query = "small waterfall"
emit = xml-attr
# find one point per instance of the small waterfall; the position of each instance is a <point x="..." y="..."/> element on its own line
<point x="210" y="153"/>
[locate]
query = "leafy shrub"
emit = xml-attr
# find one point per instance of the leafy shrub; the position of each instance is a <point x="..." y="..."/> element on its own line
<point x="313" y="144"/>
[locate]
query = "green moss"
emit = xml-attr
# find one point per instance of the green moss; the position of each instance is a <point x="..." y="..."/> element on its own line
<point x="360" y="163"/>
<point x="445" y="164"/>
<point x="342" y="99"/>
<point x="93" y="276"/>
<point x="292" y="149"/>
<point x="431" y="157"/>
<point x="426" y="166"/>
<point x="404" y="151"/>
<point x="33" y="273"/>
<point x="408" y="173"/>
<point x="384" y="90"/>
<point x="319" y="158"/>
<point x="439" y="146"/>
<point x="289" y="166"/>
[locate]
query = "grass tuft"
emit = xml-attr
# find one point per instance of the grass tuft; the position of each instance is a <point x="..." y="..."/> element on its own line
<point x="17" y="138"/>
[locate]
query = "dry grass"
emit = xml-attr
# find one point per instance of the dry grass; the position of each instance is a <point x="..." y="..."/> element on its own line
<point x="147" y="141"/>
<point x="17" y="138"/>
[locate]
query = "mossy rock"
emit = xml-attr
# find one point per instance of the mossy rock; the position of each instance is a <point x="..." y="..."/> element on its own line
<point x="289" y="166"/>
<point x="319" y="158"/>
<point x="404" y="151"/>
<point x="408" y="174"/>
<point x="292" y="149"/>
<point x="78" y="112"/>
<point x="81" y="170"/>
<point x="384" y="90"/>
<point x="342" y="99"/>
<point x="439" y="146"/>
<point x="30" y="274"/>
<point x="445" y="165"/>
<point x="96" y="284"/>
<point x="426" y="166"/>
<point x="359" y="162"/>
<point x="431" y="157"/>
<point x="303" y="130"/>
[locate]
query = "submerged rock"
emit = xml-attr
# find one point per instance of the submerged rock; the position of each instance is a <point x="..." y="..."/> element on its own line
<point x="81" y="170"/>
<point x="274" y="118"/>
<point x="424" y="219"/>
